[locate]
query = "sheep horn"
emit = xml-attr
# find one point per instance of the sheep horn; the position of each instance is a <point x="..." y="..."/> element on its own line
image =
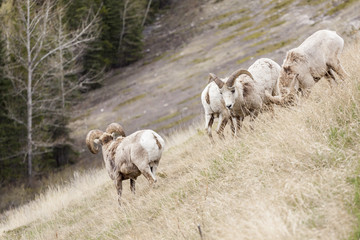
<point x="90" y="138"/>
<point x="230" y="82"/>
<point x="214" y="78"/>
<point x="274" y="99"/>
<point x="115" y="128"/>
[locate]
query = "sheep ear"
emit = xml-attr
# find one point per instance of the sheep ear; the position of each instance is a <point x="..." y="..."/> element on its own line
<point x="247" y="89"/>
<point x="297" y="57"/>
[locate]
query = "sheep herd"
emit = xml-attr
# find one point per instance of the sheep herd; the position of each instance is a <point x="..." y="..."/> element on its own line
<point x="231" y="99"/>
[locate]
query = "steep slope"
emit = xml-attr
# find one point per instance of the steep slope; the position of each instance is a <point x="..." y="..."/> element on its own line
<point x="162" y="91"/>
<point x="295" y="176"/>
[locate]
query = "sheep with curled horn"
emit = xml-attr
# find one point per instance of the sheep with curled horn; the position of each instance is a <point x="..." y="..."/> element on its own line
<point x="243" y="91"/>
<point x="317" y="57"/>
<point x="214" y="107"/>
<point x="127" y="157"/>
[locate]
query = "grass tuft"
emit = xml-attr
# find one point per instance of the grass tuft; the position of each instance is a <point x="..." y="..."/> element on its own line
<point x="223" y="16"/>
<point x="234" y="22"/>
<point x="175" y="123"/>
<point x="344" y="4"/>
<point x="131" y="100"/>
<point x="226" y="39"/>
<point x="273" y="47"/>
<point x="254" y="35"/>
<point x="162" y="119"/>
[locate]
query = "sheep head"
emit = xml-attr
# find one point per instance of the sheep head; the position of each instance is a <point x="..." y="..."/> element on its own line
<point x="92" y="140"/>
<point x="228" y="90"/>
<point x="295" y="65"/>
<point x="115" y="129"/>
<point x="288" y="95"/>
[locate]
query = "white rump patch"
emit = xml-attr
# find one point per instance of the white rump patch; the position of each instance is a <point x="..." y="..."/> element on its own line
<point x="148" y="142"/>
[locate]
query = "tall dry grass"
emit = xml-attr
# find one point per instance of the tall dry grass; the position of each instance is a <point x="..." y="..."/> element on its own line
<point x="292" y="177"/>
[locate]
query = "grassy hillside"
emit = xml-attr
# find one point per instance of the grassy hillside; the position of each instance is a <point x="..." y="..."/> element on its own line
<point x="185" y="44"/>
<point x="295" y="176"/>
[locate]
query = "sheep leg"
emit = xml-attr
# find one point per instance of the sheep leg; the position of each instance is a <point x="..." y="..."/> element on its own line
<point x="221" y="126"/>
<point x="330" y="77"/>
<point x="232" y="126"/>
<point x="238" y="125"/>
<point x="132" y="185"/>
<point x="270" y="108"/>
<point x="253" y="116"/>
<point x="148" y="174"/>
<point x="118" y="185"/>
<point x="209" y="120"/>
<point x="338" y="68"/>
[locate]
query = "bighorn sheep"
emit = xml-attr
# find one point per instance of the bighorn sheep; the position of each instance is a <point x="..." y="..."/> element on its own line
<point x="214" y="107"/>
<point x="244" y="91"/>
<point x="127" y="157"/>
<point x="305" y="65"/>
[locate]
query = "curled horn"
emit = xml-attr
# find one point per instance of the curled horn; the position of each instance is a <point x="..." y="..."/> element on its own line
<point x="217" y="80"/>
<point x="115" y="128"/>
<point x="230" y="82"/>
<point x="91" y="138"/>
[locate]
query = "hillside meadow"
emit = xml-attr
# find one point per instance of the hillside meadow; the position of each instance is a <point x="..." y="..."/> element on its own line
<point x="294" y="176"/>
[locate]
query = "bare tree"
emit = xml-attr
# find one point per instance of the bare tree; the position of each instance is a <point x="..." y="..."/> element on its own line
<point x="123" y="20"/>
<point x="33" y="46"/>
<point x="146" y="12"/>
<point x="131" y="16"/>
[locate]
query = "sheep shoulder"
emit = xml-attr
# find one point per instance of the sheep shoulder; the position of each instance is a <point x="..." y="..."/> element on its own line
<point x="139" y="144"/>
<point x="211" y="98"/>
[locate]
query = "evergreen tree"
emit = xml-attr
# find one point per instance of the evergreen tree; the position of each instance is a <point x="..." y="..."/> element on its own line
<point x="120" y="41"/>
<point x="11" y="133"/>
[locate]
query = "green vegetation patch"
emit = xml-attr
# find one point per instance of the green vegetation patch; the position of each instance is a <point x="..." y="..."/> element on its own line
<point x="234" y="22"/>
<point x="126" y="90"/>
<point x="279" y="5"/>
<point x="173" y="124"/>
<point x="162" y="119"/>
<point x="310" y="2"/>
<point x="341" y="6"/>
<point x="190" y="99"/>
<point x="246" y="25"/>
<point x="272" y="21"/>
<point x="136" y="117"/>
<point x="254" y="35"/>
<point x="278" y="23"/>
<point x="192" y="75"/>
<point x="243" y="59"/>
<point x="273" y="47"/>
<point x="176" y="56"/>
<point x="264" y="50"/>
<point x="186" y="88"/>
<point x="260" y="42"/>
<point x="223" y="16"/>
<point x="200" y="60"/>
<point x="226" y="39"/>
<point x="131" y="100"/>
<point x="155" y="59"/>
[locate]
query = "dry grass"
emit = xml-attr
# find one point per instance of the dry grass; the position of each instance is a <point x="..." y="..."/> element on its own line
<point x="290" y="178"/>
